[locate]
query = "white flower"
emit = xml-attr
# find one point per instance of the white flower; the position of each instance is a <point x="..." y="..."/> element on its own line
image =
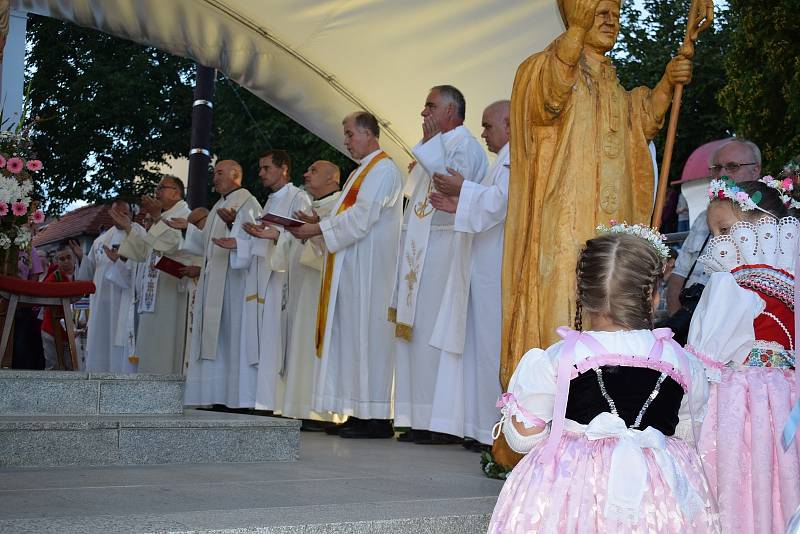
<point x="5" y="242"/>
<point x="23" y="236"/>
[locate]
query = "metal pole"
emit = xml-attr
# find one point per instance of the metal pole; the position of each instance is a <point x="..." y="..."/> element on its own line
<point x="200" y="152"/>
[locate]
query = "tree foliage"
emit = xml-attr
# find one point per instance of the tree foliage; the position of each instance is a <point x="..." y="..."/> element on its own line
<point x="648" y="39"/>
<point x="111" y="108"/>
<point x="762" y="91"/>
<point x="108" y="107"/>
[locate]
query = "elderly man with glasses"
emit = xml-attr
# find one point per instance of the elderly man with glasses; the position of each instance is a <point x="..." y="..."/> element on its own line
<point x="738" y="159"/>
<point x="161" y="298"/>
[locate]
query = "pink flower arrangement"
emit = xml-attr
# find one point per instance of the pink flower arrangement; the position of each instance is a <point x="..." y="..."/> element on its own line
<point x="741" y="196"/>
<point x="14" y="165"/>
<point x="787" y="183"/>
<point x="34" y="165"/>
<point x="3" y="209"/>
<point x="2" y="162"/>
<point x="38" y="217"/>
<point x="19" y="209"/>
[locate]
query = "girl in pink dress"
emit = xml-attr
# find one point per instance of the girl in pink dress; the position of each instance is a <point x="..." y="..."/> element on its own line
<point x="743" y="330"/>
<point x="606" y="415"/>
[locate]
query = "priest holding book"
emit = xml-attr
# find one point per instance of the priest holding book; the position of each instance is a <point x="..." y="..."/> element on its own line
<point x="163" y="298"/>
<point x="267" y="288"/>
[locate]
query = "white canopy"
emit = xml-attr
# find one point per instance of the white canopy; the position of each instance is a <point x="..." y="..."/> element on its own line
<point x="318" y="60"/>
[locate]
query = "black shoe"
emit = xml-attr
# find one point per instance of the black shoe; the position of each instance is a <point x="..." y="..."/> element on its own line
<point x="479" y="447"/>
<point x="408" y="437"/>
<point x="439" y="438"/>
<point x="371" y="429"/>
<point x="311" y="425"/>
<point x="334" y="430"/>
<point x="468" y="443"/>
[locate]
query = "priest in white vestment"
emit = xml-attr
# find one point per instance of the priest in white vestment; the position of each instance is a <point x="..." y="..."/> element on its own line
<point x="266" y="289"/>
<point x="432" y="265"/>
<point x="354" y="339"/>
<point x="190" y="276"/>
<point x="468" y="385"/>
<point x="162" y="298"/>
<point x="218" y="374"/>
<point x="110" y="336"/>
<point x="304" y="264"/>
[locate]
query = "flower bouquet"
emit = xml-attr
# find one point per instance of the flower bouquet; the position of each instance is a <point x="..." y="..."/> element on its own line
<point x="18" y="166"/>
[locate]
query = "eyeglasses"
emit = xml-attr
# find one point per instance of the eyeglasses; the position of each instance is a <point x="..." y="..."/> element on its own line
<point x="730" y="167"/>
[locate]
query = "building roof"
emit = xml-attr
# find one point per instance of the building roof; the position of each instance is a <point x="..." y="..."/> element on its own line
<point x="87" y="220"/>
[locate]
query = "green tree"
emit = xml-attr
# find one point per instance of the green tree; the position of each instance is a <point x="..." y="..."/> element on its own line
<point x="762" y="91"/>
<point x="110" y="108"/>
<point x="648" y="39"/>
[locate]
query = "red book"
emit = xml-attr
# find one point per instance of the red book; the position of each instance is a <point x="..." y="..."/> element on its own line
<point x="281" y="220"/>
<point x="170" y="266"/>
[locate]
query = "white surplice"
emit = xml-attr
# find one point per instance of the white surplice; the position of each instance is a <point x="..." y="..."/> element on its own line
<point x="417" y="359"/>
<point x="357" y="365"/>
<point x="217" y="372"/>
<point x="468" y="385"/>
<point x="110" y="337"/>
<point x="162" y="298"/>
<point x="266" y="292"/>
<point x="304" y="264"/>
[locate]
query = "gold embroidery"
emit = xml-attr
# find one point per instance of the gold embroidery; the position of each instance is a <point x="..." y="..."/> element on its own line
<point x="255" y="297"/>
<point x="403" y="331"/>
<point x="411" y="278"/>
<point x="392" y="315"/>
<point x="421" y="208"/>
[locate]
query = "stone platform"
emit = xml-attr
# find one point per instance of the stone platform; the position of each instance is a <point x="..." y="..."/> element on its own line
<point x="75" y="418"/>
<point x="337" y="486"/>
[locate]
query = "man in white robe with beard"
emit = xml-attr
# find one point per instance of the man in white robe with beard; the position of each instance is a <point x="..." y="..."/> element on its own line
<point x="354" y="339"/>
<point x="217" y="372"/>
<point x="305" y="263"/>
<point x="432" y="263"/>
<point x="266" y="289"/>
<point x="163" y="298"/>
<point x="468" y="385"/>
<point x="110" y="336"/>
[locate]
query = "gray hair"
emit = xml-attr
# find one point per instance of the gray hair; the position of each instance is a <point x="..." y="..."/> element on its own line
<point x="366" y="120"/>
<point x="453" y="96"/>
<point x="754" y="150"/>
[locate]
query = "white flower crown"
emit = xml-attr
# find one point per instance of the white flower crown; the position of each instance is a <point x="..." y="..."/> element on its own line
<point x="651" y="235"/>
<point x="723" y="188"/>
<point x="783" y="187"/>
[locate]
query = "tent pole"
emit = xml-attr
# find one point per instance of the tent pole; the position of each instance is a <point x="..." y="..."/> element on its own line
<point x="200" y="152"/>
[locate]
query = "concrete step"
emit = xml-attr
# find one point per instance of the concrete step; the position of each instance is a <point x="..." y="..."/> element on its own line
<point x="82" y="393"/>
<point x="435" y="516"/>
<point x="194" y="437"/>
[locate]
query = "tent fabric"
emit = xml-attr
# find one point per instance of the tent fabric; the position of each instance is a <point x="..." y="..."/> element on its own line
<point x="318" y="60"/>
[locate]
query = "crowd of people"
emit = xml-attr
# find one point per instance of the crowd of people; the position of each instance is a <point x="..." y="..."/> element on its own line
<point x="328" y="303"/>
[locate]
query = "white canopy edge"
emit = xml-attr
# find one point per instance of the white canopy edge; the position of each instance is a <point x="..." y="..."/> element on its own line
<point x="319" y="60"/>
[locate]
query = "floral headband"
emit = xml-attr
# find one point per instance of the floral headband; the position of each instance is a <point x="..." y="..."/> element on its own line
<point x="783" y="187"/>
<point x="724" y="187"/>
<point x="651" y="235"/>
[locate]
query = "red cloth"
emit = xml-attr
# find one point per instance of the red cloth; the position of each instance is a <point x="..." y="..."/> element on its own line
<point x="34" y="288"/>
<point x="767" y="328"/>
<point x="56" y="277"/>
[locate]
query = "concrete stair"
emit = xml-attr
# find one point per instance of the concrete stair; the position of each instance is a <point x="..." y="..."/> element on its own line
<point x="54" y="418"/>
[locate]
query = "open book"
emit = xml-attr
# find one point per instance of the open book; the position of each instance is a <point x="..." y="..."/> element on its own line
<point x="281" y="220"/>
<point x="170" y="266"/>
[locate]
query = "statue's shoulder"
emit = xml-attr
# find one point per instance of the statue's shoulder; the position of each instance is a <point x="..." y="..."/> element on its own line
<point x="536" y="59"/>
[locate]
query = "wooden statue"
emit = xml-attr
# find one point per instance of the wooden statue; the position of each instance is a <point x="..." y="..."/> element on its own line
<point x="579" y="158"/>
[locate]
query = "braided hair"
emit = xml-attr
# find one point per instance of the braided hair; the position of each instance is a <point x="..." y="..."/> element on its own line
<point x="617" y="276"/>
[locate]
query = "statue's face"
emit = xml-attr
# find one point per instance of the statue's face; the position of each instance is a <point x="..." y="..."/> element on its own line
<point x="603" y="35"/>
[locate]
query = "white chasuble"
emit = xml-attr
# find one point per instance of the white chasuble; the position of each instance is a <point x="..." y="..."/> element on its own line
<point x="162" y="299"/>
<point x="357" y="352"/>
<point x="265" y="296"/>
<point x="468" y="385"/>
<point x="430" y="276"/>
<point x="110" y="336"/>
<point x="218" y="374"/>
<point x="304" y="263"/>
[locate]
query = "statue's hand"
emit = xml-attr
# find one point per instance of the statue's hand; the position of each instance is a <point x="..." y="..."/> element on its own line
<point x="679" y="71"/>
<point x="582" y="14"/>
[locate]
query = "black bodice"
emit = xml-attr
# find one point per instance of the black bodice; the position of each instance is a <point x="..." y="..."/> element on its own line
<point x="629" y="388"/>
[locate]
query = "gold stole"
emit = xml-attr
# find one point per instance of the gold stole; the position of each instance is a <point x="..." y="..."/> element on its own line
<point x="327" y="276"/>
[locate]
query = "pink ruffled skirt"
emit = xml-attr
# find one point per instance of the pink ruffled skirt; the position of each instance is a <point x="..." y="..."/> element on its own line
<point x="757" y="484"/>
<point x="569" y="496"/>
